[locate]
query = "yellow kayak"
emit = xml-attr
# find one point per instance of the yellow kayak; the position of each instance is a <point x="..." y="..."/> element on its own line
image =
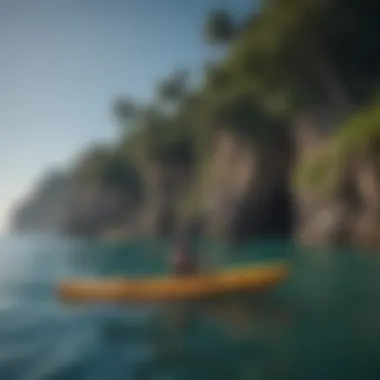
<point x="166" y="288"/>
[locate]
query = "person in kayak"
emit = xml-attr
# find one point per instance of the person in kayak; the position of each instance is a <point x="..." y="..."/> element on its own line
<point x="183" y="259"/>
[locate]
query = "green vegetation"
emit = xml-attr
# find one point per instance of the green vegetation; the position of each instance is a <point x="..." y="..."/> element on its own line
<point x="360" y="134"/>
<point x="319" y="173"/>
<point x="358" y="138"/>
<point x="105" y="167"/>
<point x="289" y="55"/>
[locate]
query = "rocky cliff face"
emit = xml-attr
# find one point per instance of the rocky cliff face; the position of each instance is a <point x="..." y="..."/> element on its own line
<point x="72" y="208"/>
<point x="365" y="201"/>
<point x="319" y="219"/>
<point x="351" y="213"/>
<point x="247" y="194"/>
<point x="165" y="184"/>
<point x="94" y="209"/>
<point x="247" y="191"/>
<point x="230" y="171"/>
<point x="45" y="209"/>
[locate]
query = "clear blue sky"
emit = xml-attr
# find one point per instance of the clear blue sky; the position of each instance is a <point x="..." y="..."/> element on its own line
<point x="62" y="62"/>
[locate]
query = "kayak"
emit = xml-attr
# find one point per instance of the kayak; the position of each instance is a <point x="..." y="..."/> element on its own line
<point x="173" y="287"/>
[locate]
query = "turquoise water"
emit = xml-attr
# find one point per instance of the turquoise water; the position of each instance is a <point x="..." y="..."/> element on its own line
<point x="324" y="323"/>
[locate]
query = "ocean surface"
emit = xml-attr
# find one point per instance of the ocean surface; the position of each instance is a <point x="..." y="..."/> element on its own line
<point x="324" y="323"/>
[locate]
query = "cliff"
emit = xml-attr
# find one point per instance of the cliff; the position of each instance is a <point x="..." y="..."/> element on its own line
<point x="66" y="205"/>
<point x="45" y="208"/>
<point x="280" y="139"/>
<point x="338" y="182"/>
<point x="242" y="190"/>
<point x="246" y="188"/>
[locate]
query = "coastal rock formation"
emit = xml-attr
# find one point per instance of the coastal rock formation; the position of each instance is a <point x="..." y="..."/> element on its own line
<point x="280" y="138"/>
<point x="95" y="209"/>
<point x="319" y="218"/>
<point x="68" y="207"/>
<point x="349" y="211"/>
<point x="46" y="208"/>
<point x="249" y="193"/>
<point x="165" y="184"/>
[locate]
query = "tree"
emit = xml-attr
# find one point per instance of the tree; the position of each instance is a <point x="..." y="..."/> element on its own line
<point x="312" y="51"/>
<point x="174" y="87"/>
<point x="106" y="167"/>
<point x="217" y="77"/>
<point x="291" y="54"/>
<point x="219" y="27"/>
<point x="126" y="111"/>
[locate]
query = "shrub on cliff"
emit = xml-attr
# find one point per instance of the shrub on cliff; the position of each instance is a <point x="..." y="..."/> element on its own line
<point x="357" y="139"/>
